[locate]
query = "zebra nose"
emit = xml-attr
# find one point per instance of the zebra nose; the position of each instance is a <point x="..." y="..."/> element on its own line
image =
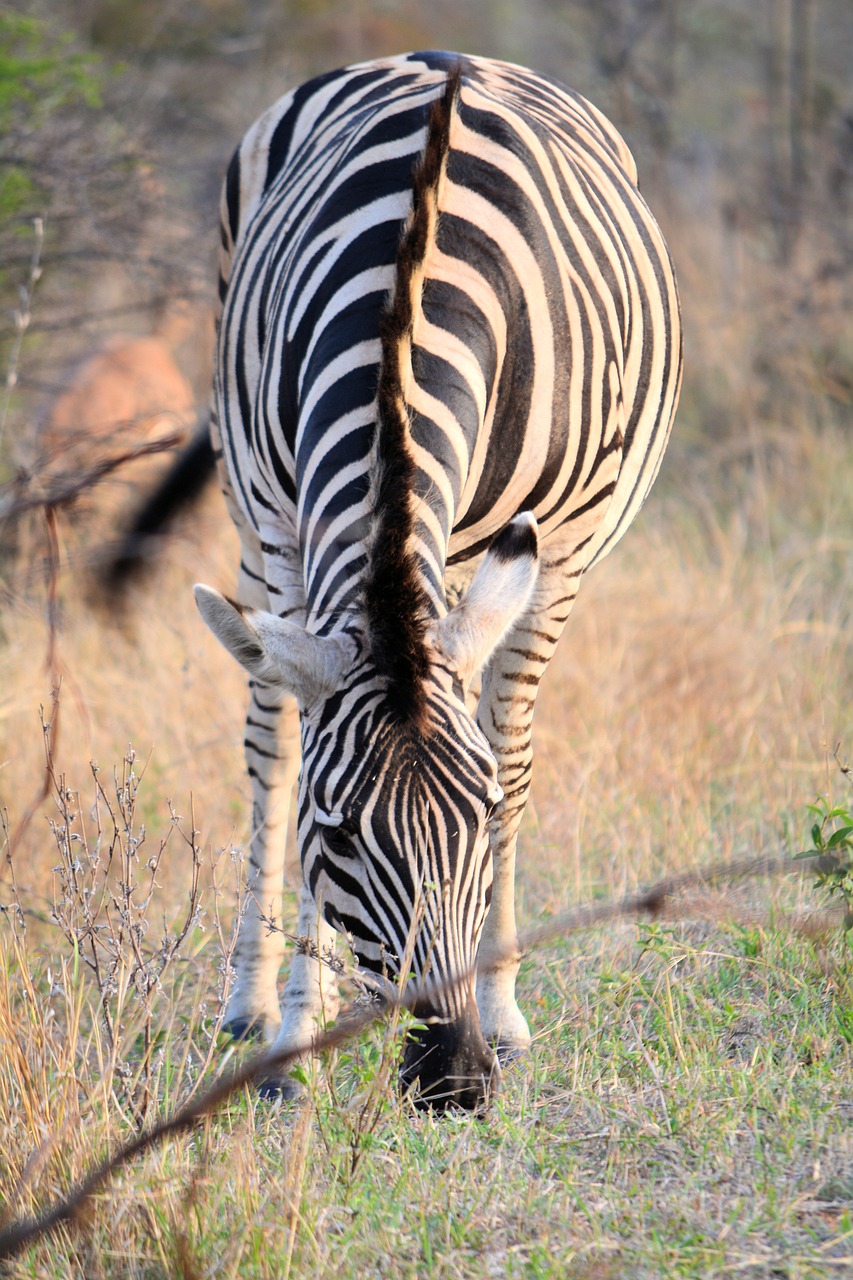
<point x="448" y="1064"/>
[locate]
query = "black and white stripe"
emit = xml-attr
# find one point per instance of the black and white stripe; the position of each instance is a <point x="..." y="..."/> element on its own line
<point x="444" y="303"/>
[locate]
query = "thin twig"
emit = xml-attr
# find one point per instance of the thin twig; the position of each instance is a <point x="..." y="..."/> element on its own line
<point x="72" y="321"/>
<point x="50" y="730"/>
<point x="66" y="490"/>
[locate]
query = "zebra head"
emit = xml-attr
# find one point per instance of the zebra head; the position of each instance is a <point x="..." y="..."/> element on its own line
<point x="394" y="810"/>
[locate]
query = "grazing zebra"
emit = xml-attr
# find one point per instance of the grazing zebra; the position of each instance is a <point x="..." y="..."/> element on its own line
<point x="449" y="354"/>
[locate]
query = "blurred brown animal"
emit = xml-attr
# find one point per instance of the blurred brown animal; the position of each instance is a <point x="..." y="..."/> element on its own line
<point x="130" y="392"/>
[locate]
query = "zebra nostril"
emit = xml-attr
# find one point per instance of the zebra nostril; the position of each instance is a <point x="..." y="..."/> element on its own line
<point x="449" y="1065"/>
<point x="469" y="1092"/>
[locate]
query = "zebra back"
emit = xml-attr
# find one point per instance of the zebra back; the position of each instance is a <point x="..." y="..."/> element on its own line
<point x="533" y="228"/>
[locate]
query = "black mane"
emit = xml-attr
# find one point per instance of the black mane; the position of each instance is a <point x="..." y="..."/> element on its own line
<point x="396" y="604"/>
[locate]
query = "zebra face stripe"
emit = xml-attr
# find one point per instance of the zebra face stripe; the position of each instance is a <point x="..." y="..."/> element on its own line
<point x="393" y="827"/>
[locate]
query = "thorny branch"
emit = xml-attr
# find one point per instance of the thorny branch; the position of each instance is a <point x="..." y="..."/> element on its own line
<point x="648" y="902"/>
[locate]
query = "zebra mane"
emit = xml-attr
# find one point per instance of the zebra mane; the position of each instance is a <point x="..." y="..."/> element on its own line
<point x="396" y="604"/>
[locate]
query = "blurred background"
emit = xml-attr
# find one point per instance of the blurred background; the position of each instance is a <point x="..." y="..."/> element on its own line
<point x="706" y="681"/>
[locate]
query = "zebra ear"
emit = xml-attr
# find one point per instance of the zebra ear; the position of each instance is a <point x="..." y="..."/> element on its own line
<point x="275" y="651"/>
<point x="495" y="600"/>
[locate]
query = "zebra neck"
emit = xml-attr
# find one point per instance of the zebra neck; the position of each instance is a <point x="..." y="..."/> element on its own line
<point x="372" y="534"/>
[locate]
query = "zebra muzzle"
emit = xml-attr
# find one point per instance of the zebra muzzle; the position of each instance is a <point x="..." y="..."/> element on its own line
<point x="448" y="1064"/>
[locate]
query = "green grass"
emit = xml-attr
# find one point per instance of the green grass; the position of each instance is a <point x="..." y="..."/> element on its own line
<point x="685" y="1111"/>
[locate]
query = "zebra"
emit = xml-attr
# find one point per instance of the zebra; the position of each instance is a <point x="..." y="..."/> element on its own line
<point x="448" y="358"/>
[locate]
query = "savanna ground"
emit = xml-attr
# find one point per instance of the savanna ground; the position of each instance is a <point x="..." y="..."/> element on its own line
<point x="686" y="1106"/>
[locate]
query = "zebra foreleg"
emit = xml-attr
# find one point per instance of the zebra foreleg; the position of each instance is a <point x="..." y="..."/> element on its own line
<point x="272" y="757"/>
<point x="311" y="997"/>
<point x="501" y="1019"/>
<point x="505" y="714"/>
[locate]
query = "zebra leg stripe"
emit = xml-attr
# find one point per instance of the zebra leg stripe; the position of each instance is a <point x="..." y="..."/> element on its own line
<point x="272" y="757"/>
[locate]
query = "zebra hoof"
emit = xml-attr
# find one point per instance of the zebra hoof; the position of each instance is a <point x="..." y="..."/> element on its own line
<point x="287" y="1090"/>
<point x="244" y="1028"/>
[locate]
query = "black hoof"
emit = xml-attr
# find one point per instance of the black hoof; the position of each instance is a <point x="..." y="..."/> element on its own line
<point x="244" y="1029"/>
<point x="280" y="1090"/>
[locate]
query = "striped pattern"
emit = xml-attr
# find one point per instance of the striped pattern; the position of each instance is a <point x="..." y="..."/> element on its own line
<point x="444" y="302"/>
<point x="409" y="844"/>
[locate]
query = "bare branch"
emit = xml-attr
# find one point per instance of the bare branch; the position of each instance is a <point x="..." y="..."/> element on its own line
<point x="63" y="490"/>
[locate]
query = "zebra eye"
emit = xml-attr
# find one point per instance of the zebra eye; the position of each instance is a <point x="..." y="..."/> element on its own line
<point x="338" y="840"/>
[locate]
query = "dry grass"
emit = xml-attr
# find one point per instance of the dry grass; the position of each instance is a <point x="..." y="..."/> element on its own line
<point x="705" y="677"/>
<point x="147" y="677"/>
<point x="686" y="1107"/>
